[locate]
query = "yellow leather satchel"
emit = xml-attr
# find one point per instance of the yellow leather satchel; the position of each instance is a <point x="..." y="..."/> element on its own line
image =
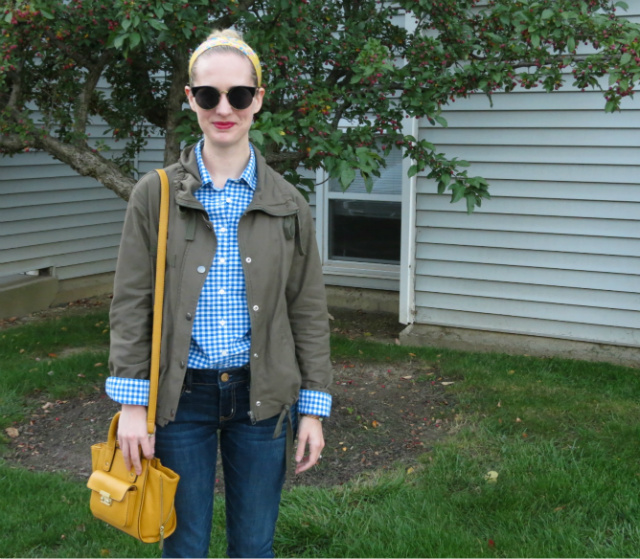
<point x="140" y="505"/>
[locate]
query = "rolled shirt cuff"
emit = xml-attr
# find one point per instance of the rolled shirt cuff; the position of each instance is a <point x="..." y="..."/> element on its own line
<point x="313" y="402"/>
<point x="132" y="391"/>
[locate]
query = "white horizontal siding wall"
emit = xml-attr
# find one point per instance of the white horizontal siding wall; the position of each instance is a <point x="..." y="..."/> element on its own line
<point x="52" y="217"/>
<point x="556" y="252"/>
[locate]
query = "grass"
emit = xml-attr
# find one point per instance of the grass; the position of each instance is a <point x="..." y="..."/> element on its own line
<point x="562" y="436"/>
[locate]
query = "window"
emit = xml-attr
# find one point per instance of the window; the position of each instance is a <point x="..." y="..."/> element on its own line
<point x="362" y="230"/>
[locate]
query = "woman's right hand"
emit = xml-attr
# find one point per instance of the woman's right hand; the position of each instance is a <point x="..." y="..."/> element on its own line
<point x="132" y="435"/>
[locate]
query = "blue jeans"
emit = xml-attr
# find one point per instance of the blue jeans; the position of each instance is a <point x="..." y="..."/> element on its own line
<point x="254" y="465"/>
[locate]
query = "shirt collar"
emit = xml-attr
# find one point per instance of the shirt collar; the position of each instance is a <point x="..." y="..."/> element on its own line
<point x="249" y="175"/>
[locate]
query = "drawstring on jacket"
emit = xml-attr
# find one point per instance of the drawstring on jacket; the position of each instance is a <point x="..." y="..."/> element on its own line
<point x="286" y="413"/>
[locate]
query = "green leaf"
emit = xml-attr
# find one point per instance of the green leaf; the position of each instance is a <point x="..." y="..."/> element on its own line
<point x="547" y="14"/>
<point x="441" y="121"/>
<point x="535" y="40"/>
<point x="571" y="44"/>
<point x="47" y="15"/>
<point x="8" y="17"/>
<point x="471" y="203"/>
<point x="257" y="137"/>
<point x="413" y="171"/>
<point x="158" y="25"/>
<point x="625" y="58"/>
<point x="458" y="192"/>
<point x="134" y="39"/>
<point x="622" y="5"/>
<point x="126" y="24"/>
<point x="119" y="41"/>
<point x="347" y="176"/>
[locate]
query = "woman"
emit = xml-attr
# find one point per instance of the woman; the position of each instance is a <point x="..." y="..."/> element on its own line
<point x="245" y="343"/>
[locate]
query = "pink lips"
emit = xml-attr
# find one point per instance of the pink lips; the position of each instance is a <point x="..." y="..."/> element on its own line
<point x="223" y="125"/>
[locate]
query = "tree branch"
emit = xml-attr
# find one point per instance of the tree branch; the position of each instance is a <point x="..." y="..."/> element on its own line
<point x="84" y="100"/>
<point x="89" y="163"/>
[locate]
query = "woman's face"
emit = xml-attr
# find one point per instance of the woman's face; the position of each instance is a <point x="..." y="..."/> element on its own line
<point x="223" y="126"/>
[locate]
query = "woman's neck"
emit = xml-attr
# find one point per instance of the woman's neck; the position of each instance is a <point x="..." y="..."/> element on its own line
<point x="226" y="163"/>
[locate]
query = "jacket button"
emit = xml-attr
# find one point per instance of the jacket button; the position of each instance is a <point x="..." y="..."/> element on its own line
<point x="256" y="308"/>
<point x="182" y="364"/>
<point x="248" y="260"/>
<point x="258" y="403"/>
<point x="189" y="316"/>
<point x="255" y="355"/>
<point x="201" y="269"/>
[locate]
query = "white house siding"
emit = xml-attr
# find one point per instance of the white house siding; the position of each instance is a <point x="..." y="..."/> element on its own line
<point x="52" y="217"/>
<point x="556" y="252"/>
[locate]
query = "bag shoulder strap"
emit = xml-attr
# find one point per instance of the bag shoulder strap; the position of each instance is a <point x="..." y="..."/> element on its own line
<point x="156" y="339"/>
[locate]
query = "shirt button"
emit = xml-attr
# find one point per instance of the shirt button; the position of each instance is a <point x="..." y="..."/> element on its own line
<point x="228" y="200"/>
<point x="221" y="292"/>
<point x="248" y="260"/>
<point x="223" y="323"/>
<point x="201" y="269"/>
<point x="223" y="230"/>
<point x="258" y="403"/>
<point x="256" y="308"/>
<point x="223" y="261"/>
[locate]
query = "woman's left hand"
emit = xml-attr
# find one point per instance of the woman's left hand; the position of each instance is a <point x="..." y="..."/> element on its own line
<point x="310" y="443"/>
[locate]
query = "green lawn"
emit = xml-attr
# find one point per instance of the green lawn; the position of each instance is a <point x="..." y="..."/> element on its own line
<point x="562" y="436"/>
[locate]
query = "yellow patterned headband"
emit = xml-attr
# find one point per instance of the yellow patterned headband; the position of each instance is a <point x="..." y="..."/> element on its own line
<point x="228" y="42"/>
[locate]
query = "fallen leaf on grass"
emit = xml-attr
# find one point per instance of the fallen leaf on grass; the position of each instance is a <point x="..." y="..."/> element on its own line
<point x="410" y="470"/>
<point x="375" y="424"/>
<point x="407" y="377"/>
<point x="491" y="476"/>
<point x="447" y="383"/>
<point x="47" y="406"/>
<point x="491" y="543"/>
<point x="12" y="432"/>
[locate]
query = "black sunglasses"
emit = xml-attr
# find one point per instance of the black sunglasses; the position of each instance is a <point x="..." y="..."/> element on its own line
<point x="239" y="97"/>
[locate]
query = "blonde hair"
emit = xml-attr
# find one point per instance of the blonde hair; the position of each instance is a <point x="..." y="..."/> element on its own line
<point x="227" y="40"/>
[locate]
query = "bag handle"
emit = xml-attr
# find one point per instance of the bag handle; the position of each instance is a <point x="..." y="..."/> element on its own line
<point x="156" y="338"/>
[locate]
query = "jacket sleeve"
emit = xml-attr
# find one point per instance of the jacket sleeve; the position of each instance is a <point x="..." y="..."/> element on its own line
<point x="132" y="306"/>
<point x="307" y="307"/>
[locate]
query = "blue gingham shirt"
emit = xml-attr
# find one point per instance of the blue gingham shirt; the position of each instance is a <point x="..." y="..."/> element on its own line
<point x="221" y="334"/>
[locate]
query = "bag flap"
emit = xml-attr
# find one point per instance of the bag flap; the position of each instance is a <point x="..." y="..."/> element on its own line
<point x="109" y="486"/>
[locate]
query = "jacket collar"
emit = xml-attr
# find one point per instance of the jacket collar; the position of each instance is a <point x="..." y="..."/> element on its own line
<point x="273" y="194"/>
